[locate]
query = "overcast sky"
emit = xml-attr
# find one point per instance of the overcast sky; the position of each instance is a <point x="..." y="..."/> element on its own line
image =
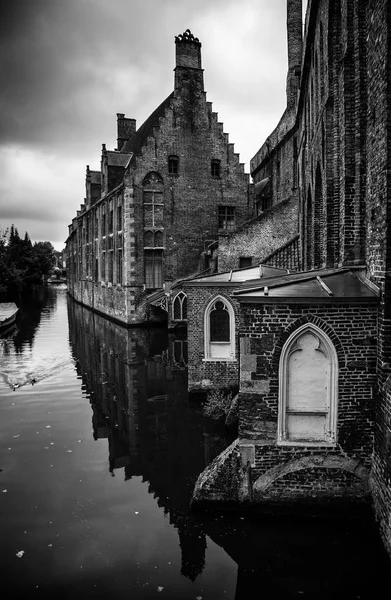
<point x="68" y="66"/>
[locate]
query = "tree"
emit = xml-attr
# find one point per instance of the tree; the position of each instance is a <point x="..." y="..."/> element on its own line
<point x="44" y="254"/>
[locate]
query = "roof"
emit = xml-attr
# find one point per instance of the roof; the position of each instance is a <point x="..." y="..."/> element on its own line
<point x="117" y="159"/>
<point x="260" y="185"/>
<point x="135" y="144"/>
<point x="238" y="276"/>
<point x="346" y="284"/>
<point x="95" y="177"/>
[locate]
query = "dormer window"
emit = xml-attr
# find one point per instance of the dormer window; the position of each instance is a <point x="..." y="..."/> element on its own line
<point x="215" y="168"/>
<point x="173" y="165"/>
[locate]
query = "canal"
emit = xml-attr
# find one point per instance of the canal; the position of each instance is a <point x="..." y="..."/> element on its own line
<point x="100" y="449"/>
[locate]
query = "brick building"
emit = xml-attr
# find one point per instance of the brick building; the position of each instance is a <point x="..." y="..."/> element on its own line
<point x="158" y="200"/>
<point x="315" y="346"/>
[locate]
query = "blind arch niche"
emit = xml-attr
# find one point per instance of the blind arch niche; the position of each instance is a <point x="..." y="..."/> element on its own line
<point x="308" y="388"/>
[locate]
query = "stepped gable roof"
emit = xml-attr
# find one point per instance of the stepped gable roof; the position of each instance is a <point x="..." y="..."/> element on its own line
<point x="95" y="176"/>
<point x="139" y="139"/>
<point x="346" y="284"/>
<point x="237" y="276"/>
<point x="117" y="159"/>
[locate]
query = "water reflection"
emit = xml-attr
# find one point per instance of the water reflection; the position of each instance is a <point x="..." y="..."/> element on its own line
<point x="136" y="381"/>
<point x="98" y="461"/>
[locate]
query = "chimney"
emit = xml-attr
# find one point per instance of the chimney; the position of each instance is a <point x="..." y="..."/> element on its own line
<point x="295" y="43"/>
<point x="126" y="129"/>
<point x="188" y="61"/>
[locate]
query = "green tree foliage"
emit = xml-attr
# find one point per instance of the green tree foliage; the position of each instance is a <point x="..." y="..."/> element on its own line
<point x="22" y="263"/>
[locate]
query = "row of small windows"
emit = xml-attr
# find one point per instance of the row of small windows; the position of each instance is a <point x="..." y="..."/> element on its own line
<point x="173" y="166"/>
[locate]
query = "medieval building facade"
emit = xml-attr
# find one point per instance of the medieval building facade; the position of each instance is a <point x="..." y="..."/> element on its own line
<point x="158" y="200"/>
<point x="315" y="345"/>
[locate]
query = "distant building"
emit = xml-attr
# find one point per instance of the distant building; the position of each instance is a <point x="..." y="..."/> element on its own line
<point x="158" y="201"/>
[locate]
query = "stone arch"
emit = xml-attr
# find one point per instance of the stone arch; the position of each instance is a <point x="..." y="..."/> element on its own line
<point x="318" y="322"/>
<point x="219" y="312"/>
<point x="342" y="463"/>
<point x="308" y="388"/>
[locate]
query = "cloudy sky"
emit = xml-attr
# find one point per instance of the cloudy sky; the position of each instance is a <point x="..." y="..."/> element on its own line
<point x="68" y="66"/>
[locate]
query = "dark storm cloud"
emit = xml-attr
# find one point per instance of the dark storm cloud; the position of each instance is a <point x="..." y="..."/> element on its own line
<point x="67" y="67"/>
<point x="58" y="57"/>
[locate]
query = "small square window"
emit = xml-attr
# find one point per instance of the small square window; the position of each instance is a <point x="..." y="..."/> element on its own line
<point x="245" y="261"/>
<point x="215" y="168"/>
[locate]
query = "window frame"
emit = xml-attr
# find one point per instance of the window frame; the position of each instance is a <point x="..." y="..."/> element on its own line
<point x="222" y="215"/>
<point x="181" y="297"/>
<point x="228" y="349"/>
<point x="331" y="418"/>
<point x="173" y="165"/>
<point x="215" y="167"/>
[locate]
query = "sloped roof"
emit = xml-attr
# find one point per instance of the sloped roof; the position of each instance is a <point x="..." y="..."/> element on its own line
<point x="238" y="276"/>
<point x="139" y="139"/>
<point x="325" y="285"/>
<point x="117" y="159"/>
<point x="260" y="185"/>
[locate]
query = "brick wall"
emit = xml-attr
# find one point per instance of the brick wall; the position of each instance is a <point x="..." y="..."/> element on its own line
<point x="208" y="374"/>
<point x="264" y="330"/>
<point x="259" y="237"/>
<point x="378" y="218"/>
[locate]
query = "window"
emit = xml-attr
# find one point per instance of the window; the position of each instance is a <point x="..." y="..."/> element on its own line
<point x="227" y="218"/>
<point x="173" y="165"/>
<point x="153" y="200"/>
<point x="153" y="266"/>
<point x="215" y="168"/>
<point x="219" y="329"/>
<point x="110" y="266"/>
<point x="103" y="224"/>
<point x="179" y="307"/>
<point x="103" y="266"/>
<point x="245" y="261"/>
<point x="111" y="221"/>
<point x="153" y="239"/>
<point x="308" y="379"/>
<point x="119" y="266"/>
<point x="119" y="218"/>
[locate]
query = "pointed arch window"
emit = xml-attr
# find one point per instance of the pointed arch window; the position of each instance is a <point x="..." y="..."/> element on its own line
<point x="308" y="389"/>
<point x="179" y="307"/>
<point x="219" y="330"/>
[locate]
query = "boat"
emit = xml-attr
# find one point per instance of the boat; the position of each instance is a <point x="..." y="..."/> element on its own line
<point x="8" y="312"/>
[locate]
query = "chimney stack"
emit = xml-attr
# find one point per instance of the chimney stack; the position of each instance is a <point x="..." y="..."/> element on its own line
<point x="295" y="44"/>
<point x="188" y="61"/>
<point x="126" y="129"/>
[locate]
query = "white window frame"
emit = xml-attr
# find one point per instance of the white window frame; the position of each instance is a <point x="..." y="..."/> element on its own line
<point x="329" y="351"/>
<point x="219" y="351"/>
<point x="181" y="298"/>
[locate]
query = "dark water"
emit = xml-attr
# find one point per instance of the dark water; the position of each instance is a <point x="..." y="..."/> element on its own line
<point x="98" y="459"/>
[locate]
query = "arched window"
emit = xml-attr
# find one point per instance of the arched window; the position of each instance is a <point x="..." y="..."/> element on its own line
<point x="219" y="328"/>
<point x="179" y="307"/>
<point x="308" y="388"/>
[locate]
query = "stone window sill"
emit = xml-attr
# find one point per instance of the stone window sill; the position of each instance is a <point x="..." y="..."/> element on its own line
<point x="227" y="360"/>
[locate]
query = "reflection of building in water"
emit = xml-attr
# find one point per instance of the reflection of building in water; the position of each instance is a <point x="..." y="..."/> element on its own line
<point x="137" y="385"/>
